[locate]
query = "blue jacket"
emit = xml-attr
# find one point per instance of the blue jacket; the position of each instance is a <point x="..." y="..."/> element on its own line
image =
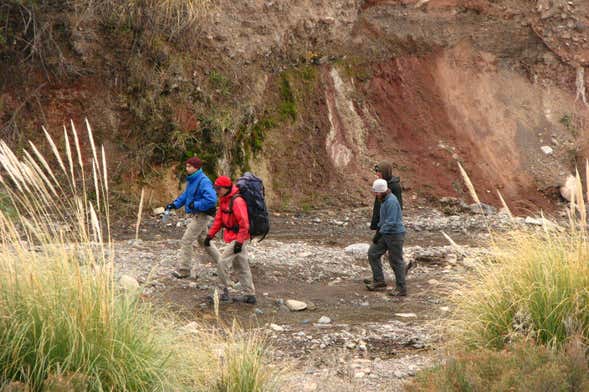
<point x="199" y="189"/>
<point x="391" y="216"/>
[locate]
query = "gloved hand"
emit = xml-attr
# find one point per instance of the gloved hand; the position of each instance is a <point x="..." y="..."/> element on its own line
<point x="207" y="241"/>
<point x="376" y="237"/>
<point x="170" y="207"/>
<point x="237" y="247"/>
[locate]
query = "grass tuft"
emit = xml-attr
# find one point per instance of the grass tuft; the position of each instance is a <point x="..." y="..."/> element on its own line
<point x="522" y="367"/>
<point x="64" y="324"/>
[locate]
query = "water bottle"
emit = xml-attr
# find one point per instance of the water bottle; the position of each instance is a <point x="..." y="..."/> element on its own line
<point x="166" y="217"/>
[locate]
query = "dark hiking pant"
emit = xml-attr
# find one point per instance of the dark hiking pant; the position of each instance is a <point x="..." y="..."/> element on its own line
<point x="394" y="244"/>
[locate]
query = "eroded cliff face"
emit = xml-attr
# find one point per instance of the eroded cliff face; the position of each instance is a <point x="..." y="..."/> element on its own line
<point x="310" y="94"/>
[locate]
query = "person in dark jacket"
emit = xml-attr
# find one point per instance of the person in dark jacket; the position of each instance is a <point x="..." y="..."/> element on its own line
<point x="384" y="170"/>
<point x="199" y="201"/>
<point x="233" y="218"/>
<point x="389" y="236"/>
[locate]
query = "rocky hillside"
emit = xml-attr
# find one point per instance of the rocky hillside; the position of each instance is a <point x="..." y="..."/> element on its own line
<point x="310" y="93"/>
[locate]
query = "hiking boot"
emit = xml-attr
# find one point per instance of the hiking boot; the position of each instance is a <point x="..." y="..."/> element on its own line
<point x="398" y="293"/>
<point x="224" y="297"/>
<point x="409" y="266"/>
<point x="246" y="299"/>
<point x="376" y="286"/>
<point x="181" y="273"/>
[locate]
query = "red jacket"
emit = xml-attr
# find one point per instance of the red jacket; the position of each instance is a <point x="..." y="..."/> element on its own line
<point x="237" y="218"/>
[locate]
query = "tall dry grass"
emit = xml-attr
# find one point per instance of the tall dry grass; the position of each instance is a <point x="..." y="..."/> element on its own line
<point x="171" y="16"/>
<point x="62" y="317"/>
<point x="535" y="285"/>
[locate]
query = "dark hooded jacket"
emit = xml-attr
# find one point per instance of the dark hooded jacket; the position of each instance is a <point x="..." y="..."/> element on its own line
<point x="394" y="182"/>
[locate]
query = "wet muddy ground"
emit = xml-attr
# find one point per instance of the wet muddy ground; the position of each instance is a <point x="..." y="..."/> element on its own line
<point x="348" y="338"/>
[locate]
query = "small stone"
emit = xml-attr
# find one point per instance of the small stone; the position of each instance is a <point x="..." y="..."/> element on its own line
<point x="276" y="327"/>
<point x="357" y="250"/>
<point x="359" y="375"/>
<point x="158" y="211"/>
<point x="533" y="221"/>
<point x="547" y="150"/>
<point x="433" y="282"/>
<point x="295" y="306"/>
<point x="444" y="308"/>
<point x="406" y="315"/>
<point x="324" y="320"/>
<point x="259" y="311"/>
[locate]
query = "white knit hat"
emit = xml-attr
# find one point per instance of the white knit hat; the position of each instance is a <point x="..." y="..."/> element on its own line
<point x="380" y="186"/>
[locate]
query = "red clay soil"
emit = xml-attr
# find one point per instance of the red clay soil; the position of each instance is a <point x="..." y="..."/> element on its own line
<point x="416" y="126"/>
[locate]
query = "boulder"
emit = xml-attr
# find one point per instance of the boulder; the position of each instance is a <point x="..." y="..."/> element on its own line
<point x="569" y="188"/>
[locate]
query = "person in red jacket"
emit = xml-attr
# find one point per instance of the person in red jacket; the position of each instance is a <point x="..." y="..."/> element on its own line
<point x="231" y="216"/>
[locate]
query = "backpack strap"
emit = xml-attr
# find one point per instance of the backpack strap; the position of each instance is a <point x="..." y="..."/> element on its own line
<point x="230" y="211"/>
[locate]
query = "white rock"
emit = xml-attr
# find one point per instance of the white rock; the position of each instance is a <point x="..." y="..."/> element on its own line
<point x="276" y="327"/>
<point x="159" y="210"/>
<point x="359" y="250"/>
<point x="444" y="308"/>
<point x="433" y="282"/>
<point x="128" y="283"/>
<point x="294" y="305"/>
<point x="406" y="315"/>
<point x="569" y="188"/>
<point x="324" y="320"/>
<point x="533" y="221"/>
<point x="359" y="375"/>
<point x="547" y="150"/>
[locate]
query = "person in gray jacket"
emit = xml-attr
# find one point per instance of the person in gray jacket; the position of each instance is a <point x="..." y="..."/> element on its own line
<point x="390" y="236"/>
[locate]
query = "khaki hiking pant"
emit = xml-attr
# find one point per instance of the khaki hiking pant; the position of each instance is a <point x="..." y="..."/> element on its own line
<point x="226" y="259"/>
<point x="196" y="232"/>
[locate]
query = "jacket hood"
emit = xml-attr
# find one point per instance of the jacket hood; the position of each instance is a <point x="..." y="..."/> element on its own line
<point x="234" y="190"/>
<point x="393" y="180"/>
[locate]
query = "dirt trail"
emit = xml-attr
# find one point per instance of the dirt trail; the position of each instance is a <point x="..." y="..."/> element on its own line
<point x="371" y="341"/>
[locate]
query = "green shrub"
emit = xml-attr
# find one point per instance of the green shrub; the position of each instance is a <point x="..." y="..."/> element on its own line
<point x="535" y="285"/>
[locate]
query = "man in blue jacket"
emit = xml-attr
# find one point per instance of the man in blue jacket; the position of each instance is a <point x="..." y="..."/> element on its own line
<point x="390" y="236"/>
<point x="199" y="201"/>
